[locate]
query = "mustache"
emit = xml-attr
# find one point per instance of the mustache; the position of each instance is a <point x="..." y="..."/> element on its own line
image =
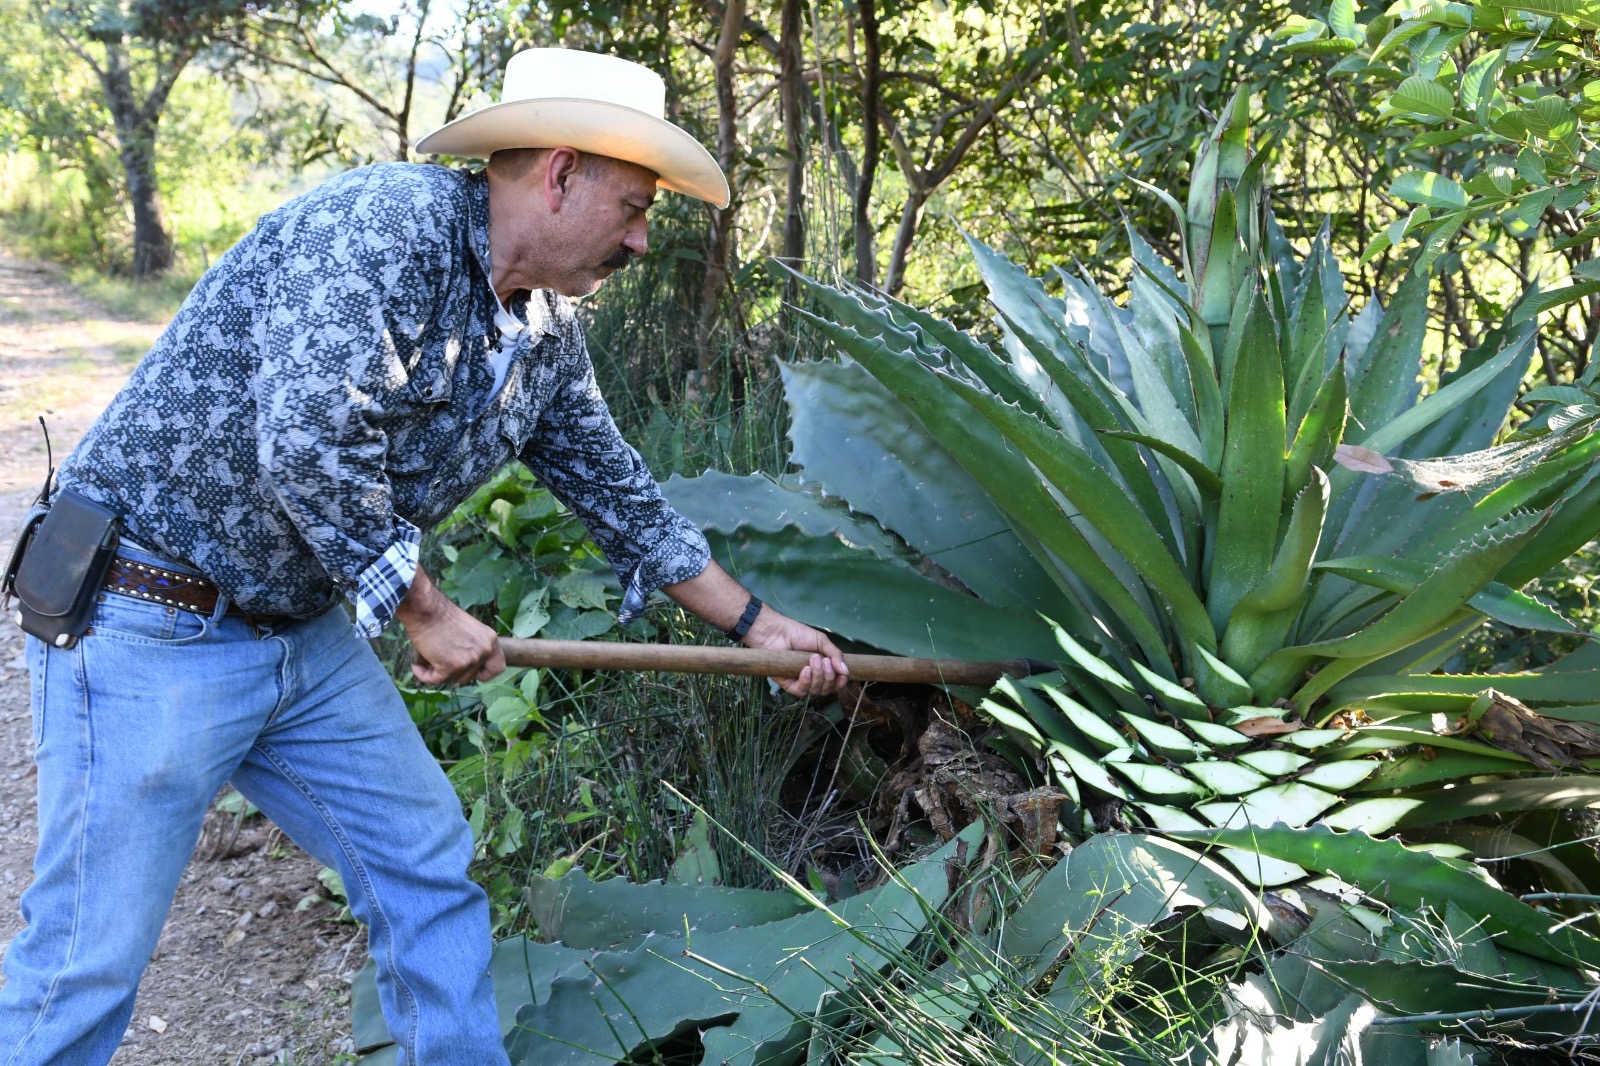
<point x="618" y="259"/>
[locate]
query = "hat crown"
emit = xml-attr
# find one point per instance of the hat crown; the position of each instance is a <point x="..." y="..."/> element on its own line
<point x="564" y="73"/>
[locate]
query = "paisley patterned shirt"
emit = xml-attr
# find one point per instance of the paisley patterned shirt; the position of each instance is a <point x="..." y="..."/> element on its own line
<point x="326" y="392"/>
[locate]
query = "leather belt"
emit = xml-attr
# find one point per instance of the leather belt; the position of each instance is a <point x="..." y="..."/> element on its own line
<point x="171" y="588"/>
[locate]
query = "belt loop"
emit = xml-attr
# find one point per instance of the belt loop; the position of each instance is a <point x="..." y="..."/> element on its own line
<point x="221" y="610"/>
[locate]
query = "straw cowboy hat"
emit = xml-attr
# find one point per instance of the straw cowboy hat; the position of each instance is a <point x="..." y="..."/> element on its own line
<point x="556" y="97"/>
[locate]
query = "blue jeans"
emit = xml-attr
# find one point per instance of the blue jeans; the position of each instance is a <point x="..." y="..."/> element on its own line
<point x="137" y="727"/>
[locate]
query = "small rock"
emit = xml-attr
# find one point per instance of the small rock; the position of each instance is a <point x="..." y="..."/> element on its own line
<point x="244" y="919"/>
<point x="224" y="884"/>
<point x="268" y="909"/>
<point x="157" y="1023"/>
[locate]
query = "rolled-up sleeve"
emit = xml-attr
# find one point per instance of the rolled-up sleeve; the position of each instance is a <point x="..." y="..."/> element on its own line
<point x="346" y="317"/>
<point x="581" y="457"/>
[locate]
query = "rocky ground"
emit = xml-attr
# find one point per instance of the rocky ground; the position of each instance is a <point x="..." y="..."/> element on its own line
<point x="253" y="966"/>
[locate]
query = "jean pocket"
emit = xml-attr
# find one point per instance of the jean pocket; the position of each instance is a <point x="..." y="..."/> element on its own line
<point x="134" y="621"/>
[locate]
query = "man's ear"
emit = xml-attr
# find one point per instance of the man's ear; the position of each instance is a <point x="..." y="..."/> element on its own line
<point x="561" y="170"/>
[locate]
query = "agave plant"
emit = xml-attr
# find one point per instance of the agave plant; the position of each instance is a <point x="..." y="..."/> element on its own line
<point x="1228" y="511"/>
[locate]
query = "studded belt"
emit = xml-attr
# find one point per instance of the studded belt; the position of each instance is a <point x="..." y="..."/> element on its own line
<point x="171" y="588"/>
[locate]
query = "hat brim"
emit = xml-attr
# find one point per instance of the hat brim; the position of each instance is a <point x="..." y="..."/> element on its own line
<point x="680" y="162"/>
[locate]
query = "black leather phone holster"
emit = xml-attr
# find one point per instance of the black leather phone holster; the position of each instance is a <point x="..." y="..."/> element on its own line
<point x="58" y="566"/>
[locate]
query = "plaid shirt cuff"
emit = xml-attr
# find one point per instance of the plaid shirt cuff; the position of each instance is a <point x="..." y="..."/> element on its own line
<point x="381" y="586"/>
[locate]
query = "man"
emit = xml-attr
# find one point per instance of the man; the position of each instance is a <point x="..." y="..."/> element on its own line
<point x="340" y="380"/>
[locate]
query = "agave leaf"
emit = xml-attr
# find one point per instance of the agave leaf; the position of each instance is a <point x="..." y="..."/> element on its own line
<point x="602" y="1004"/>
<point x="1176" y="699"/>
<point x="809" y="562"/>
<point x="1166" y="404"/>
<point x="1496" y="600"/>
<point x="1437" y="599"/>
<point x="1168" y="742"/>
<point x="1014" y="485"/>
<point x="1378" y="814"/>
<point x="1261" y="622"/>
<point x="1221" y="737"/>
<point x="1154" y="780"/>
<point x="1304" y="366"/>
<point x="1205" y="479"/>
<point x="846" y="440"/>
<point x="1319" y="433"/>
<point x="1275" y="762"/>
<point x="1427" y="988"/>
<point x="1099" y="732"/>
<point x="1225" y="777"/>
<point x="1099" y="671"/>
<point x="1547" y="690"/>
<point x="1252" y="468"/>
<point x="1087" y="769"/>
<point x="1572" y="525"/>
<point x="604" y="914"/>
<point x="1408" y="770"/>
<point x="1467" y="799"/>
<point x="1103" y="504"/>
<point x="1404" y="877"/>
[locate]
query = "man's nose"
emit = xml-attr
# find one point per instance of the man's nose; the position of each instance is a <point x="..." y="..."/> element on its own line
<point x="637" y="239"/>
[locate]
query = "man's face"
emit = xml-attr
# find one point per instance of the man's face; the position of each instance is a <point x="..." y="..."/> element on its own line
<point x="602" y="223"/>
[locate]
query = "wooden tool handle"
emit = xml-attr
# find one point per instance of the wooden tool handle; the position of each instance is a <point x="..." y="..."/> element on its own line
<point x="693" y="659"/>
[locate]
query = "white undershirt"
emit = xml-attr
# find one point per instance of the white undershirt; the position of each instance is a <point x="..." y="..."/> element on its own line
<point x="511" y="330"/>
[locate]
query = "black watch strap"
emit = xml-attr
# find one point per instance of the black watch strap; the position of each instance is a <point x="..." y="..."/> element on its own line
<point x="746" y="620"/>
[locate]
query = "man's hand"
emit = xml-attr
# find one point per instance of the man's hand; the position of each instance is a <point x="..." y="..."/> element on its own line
<point x="715" y="596"/>
<point x="451" y="646"/>
<point x="825" y="674"/>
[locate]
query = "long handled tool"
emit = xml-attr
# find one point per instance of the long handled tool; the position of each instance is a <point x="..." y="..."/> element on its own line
<point x="692" y="659"/>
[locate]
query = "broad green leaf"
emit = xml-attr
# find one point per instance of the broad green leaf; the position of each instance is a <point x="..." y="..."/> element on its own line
<point x="1426" y="187"/>
<point x="1553" y="298"/>
<point x="1477" y="84"/>
<point x="1342" y="18"/>
<point x="1422" y="96"/>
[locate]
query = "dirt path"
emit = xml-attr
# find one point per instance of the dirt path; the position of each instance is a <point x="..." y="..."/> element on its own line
<point x="251" y="967"/>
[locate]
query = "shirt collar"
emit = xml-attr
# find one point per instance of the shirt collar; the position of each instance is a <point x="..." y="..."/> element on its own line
<point x="478" y="218"/>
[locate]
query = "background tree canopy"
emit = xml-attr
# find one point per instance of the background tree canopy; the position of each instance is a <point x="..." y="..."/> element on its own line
<point x="859" y="137"/>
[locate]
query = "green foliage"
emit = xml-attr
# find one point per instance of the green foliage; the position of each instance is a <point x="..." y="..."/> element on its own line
<point x="1259" y="541"/>
<point x="1505" y="91"/>
<point x="1132" y="945"/>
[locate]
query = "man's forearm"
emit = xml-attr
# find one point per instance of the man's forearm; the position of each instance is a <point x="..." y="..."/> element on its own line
<point x="714" y="596"/>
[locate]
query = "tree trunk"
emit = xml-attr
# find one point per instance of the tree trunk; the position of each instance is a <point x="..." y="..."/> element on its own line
<point x="136" y="136"/>
<point x="910" y="220"/>
<point x="794" y="222"/>
<point x="871" y="80"/>
<point x="719" y="250"/>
